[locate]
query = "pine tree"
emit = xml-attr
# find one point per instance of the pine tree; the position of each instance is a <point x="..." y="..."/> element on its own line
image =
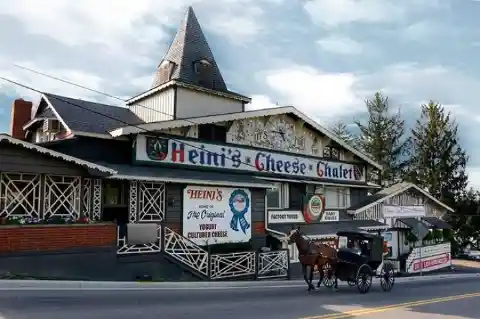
<point x="382" y="137"/>
<point x="438" y="162"/>
<point x="341" y="130"/>
<point x="466" y="219"/>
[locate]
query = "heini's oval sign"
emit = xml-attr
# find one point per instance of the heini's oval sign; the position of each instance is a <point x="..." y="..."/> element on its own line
<point x="192" y="153"/>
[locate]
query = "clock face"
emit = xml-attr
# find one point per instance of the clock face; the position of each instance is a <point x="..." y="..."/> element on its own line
<point x="282" y="135"/>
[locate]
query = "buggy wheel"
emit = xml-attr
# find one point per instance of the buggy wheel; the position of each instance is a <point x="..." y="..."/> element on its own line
<point x="328" y="277"/>
<point x="387" y="277"/>
<point x="364" y="278"/>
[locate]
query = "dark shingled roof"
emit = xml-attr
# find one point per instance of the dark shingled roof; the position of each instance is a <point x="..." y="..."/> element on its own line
<point x="436" y="223"/>
<point x="326" y="228"/>
<point x="78" y="114"/>
<point x="417" y="227"/>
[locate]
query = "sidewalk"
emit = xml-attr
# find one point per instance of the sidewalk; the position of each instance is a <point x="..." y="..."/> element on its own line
<point x="474" y="265"/>
<point x="103" y="285"/>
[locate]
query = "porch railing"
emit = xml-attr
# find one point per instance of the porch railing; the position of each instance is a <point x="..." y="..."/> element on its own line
<point x="259" y="265"/>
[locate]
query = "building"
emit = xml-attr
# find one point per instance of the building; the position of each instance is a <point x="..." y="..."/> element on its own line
<point x="196" y="185"/>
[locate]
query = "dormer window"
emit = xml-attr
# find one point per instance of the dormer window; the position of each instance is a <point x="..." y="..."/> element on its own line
<point x="200" y="65"/>
<point x="164" y="73"/>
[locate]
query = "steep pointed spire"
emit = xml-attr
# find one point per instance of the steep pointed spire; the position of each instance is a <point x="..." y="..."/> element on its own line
<point x="190" y="59"/>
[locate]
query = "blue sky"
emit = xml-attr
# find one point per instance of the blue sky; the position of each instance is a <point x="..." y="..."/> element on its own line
<point x="322" y="56"/>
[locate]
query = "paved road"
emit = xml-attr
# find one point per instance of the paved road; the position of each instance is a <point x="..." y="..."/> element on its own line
<point x="238" y="303"/>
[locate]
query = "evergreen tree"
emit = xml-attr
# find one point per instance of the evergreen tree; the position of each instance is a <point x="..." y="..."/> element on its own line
<point x="382" y="137"/>
<point x="466" y="219"/>
<point x="341" y="130"/>
<point x="437" y="162"/>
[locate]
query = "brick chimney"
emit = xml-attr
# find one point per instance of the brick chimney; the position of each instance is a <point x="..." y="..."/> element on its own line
<point x="21" y="114"/>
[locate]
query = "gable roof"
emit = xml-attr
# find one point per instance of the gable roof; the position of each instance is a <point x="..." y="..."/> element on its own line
<point x="46" y="114"/>
<point x="156" y="126"/>
<point x="79" y="117"/>
<point x="389" y="192"/>
<point x="4" y="138"/>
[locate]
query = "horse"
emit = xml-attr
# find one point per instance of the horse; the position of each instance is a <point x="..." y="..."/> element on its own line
<point x="313" y="254"/>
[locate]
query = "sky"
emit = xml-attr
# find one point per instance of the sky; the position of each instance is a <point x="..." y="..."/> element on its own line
<point x="325" y="57"/>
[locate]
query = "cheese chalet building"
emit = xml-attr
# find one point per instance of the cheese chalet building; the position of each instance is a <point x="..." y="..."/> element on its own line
<point x="182" y="184"/>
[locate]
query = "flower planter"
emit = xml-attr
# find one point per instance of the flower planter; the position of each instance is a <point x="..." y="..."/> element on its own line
<point x="24" y="238"/>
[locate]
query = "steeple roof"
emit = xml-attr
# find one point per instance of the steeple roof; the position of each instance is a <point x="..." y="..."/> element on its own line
<point x="190" y="59"/>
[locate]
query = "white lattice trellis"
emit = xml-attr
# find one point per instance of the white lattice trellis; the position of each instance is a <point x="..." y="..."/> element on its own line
<point x="232" y="265"/>
<point x="133" y="201"/>
<point x="273" y="264"/>
<point x="97" y="199"/>
<point x="185" y="251"/>
<point x="152" y="202"/>
<point x="87" y="197"/>
<point x="20" y="195"/>
<point x="62" y="196"/>
<point x="123" y="248"/>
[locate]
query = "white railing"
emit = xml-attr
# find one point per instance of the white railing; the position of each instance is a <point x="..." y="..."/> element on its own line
<point x="273" y="264"/>
<point x="232" y="265"/>
<point x="123" y="248"/>
<point x="185" y="251"/>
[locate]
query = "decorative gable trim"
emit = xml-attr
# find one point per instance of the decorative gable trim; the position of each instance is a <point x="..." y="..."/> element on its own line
<point x="193" y="87"/>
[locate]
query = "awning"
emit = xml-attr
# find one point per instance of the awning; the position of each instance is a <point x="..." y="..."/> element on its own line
<point x="417" y="227"/>
<point x="436" y="223"/>
<point x="186" y="176"/>
<point x="330" y="229"/>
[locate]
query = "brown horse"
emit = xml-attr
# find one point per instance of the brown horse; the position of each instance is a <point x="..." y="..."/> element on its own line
<point x="313" y="254"/>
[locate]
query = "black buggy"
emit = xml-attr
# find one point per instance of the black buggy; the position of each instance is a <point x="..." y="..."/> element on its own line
<point x="359" y="262"/>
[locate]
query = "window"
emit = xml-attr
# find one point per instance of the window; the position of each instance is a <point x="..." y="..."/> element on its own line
<point x="311" y="188"/>
<point x="210" y="132"/>
<point x="200" y="65"/>
<point x="332" y="152"/>
<point x="337" y="197"/>
<point x="300" y="142"/>
<point x="114" y="193"/>
<point x="277" y="197"/>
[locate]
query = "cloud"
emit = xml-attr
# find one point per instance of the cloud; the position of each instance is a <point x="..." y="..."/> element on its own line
<point x="107" y="44"/>
<point x="408" y="84"/>
<point x="261" y="102"/>
<point x="117" y="23"/>
<point x="474" y="177"/>
<point x="43" y="84"/>
<point x="341" y="45"/>
<point x="317" y="93"/>
<point x="333" y="13"/>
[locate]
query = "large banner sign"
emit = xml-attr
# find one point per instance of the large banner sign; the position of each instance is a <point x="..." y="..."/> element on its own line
<point x="429" y="258"/>
<point x="214" y="215"/>
<point x="192" y="153"/>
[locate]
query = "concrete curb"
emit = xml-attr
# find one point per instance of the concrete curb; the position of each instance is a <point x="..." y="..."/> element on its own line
<point x="210" y="285"/>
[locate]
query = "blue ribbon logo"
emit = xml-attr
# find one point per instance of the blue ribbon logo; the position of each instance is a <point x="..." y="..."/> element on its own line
<point x="239" y="196"/>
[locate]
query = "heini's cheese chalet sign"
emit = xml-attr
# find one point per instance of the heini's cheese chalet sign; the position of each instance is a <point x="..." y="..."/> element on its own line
<point x="191" y="153"/>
